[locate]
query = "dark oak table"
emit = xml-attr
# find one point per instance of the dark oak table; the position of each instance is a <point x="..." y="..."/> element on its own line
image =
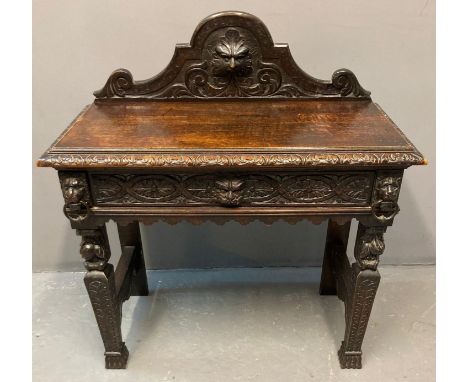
<point x="231" y="129"/>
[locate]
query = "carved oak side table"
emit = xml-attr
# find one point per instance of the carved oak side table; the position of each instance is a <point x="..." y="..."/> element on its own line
<point x="231" y="129"/>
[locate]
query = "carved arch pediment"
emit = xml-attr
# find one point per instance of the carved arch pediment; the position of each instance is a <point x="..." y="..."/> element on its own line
<point x="232" y="55"/>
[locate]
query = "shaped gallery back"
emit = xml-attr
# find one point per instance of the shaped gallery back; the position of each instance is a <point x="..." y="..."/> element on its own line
<point x="231" y="55"/>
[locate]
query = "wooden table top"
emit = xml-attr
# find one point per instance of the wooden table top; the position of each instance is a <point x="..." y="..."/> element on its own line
<point x="234" y="132"/>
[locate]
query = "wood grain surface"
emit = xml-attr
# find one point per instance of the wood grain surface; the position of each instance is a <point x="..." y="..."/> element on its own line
<point x="251" y="124"/>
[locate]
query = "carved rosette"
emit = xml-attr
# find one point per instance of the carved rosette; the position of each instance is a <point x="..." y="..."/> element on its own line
<point x="369" y="246"/>
<point x="76" y="194"/>
<point x="386" y="192"/>
<point x="94" y="248"/>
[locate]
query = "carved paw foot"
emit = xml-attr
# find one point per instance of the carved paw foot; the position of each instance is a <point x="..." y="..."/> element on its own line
<point x="117" y="360"/>
<point x="349" y="359"/>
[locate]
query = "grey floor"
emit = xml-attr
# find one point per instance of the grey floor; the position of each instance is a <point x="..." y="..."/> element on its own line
<point x="236" y="325"/>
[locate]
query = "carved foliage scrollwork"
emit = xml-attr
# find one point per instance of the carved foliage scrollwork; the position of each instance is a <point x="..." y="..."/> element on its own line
<point x="119" y="82"/>
<point x="168" y="160"/>
<point x="76" y="195"/>
<point x="347" y="84"/>
<point x="231" y="67"/>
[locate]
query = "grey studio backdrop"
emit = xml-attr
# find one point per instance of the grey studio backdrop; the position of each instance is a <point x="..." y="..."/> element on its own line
<point x="390" y="45"/>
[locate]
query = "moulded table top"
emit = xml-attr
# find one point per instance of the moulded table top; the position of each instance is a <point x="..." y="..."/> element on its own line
<point x="154" y="133"/>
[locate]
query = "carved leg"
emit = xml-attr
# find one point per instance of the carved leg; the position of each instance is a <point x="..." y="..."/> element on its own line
<point x="337" y="235"/>
<point x="363" y="281"/>
<point x="100" y="284"/>
<point x="130" y="236"/>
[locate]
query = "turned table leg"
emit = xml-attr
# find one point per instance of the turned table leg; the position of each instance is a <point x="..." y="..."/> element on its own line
<point x="336" y="235"/>
<point x="360" y="283"/>
<point x="101" y="287"/>
<point x="130" y="236"/>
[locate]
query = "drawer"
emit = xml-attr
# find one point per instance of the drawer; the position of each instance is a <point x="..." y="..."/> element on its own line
<point x="233" y="189"/>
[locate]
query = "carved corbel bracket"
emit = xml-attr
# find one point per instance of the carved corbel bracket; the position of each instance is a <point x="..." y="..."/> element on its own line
<point x="369" y="246"/>
<point x="76" y="194"/>
<point x="94" y="248"/>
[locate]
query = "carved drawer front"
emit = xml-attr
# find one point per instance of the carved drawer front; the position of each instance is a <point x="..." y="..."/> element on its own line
<point x="233" y="190"/>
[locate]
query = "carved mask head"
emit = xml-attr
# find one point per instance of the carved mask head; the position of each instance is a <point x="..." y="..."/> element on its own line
<point x="388" y="189"/>
<point x="73" y="190"/>
<point x="232" y="56"/>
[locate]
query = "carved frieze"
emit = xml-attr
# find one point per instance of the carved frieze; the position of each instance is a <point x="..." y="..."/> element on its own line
<point x="233" y="189"/>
